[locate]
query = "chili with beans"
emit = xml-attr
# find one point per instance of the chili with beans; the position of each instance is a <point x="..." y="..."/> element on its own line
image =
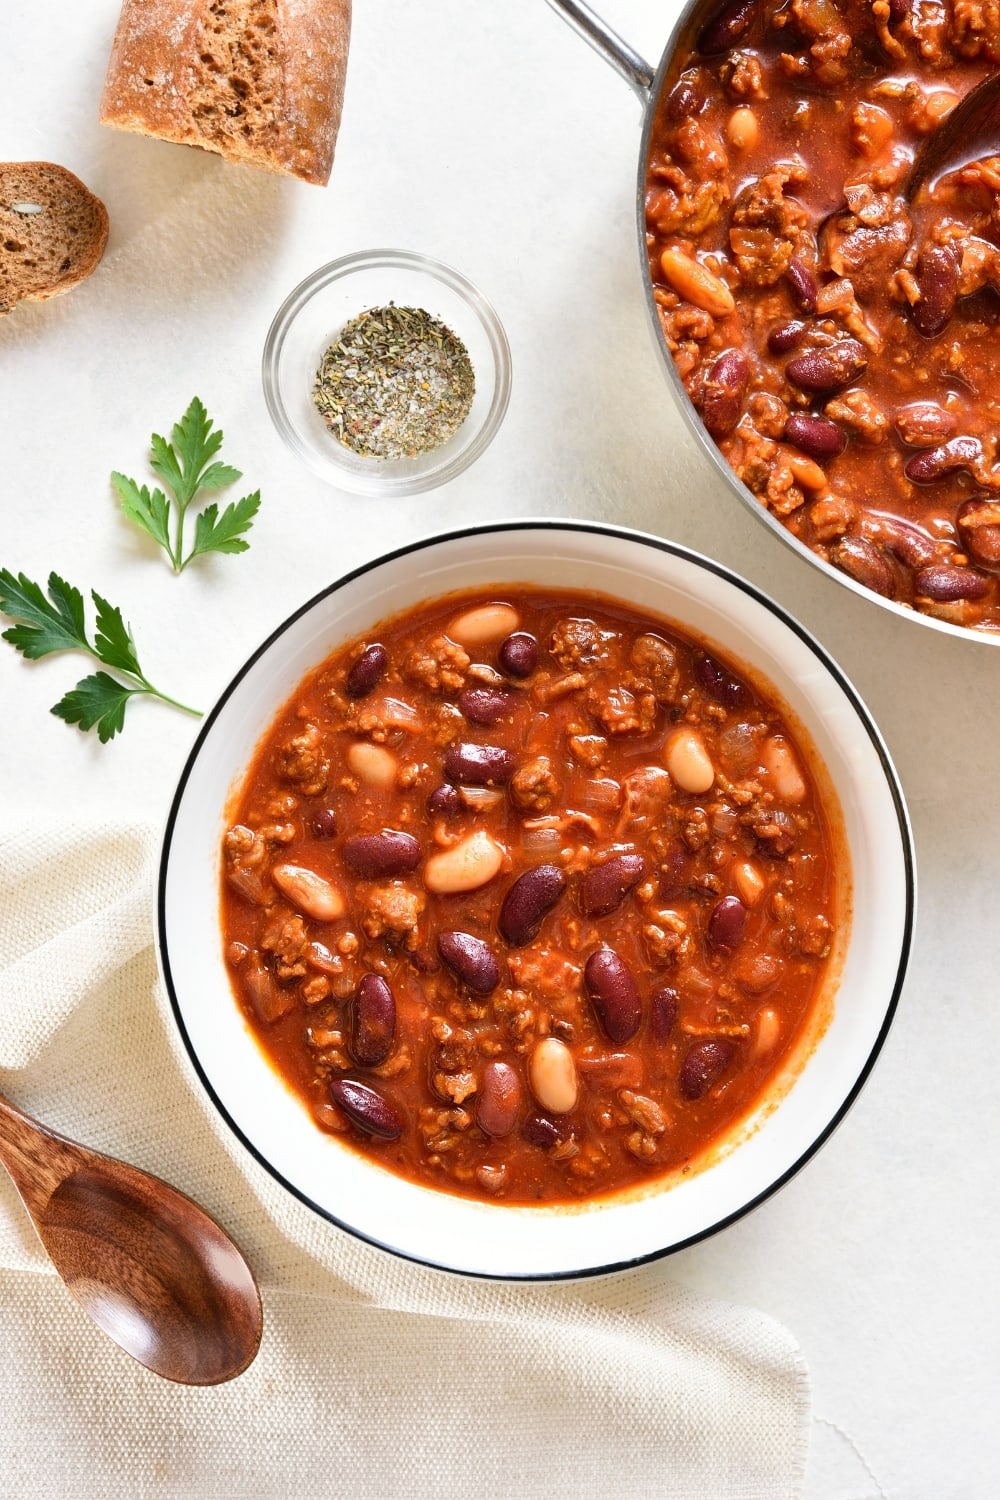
<point x="530" y="898"/>
<point x="840" y="345"/>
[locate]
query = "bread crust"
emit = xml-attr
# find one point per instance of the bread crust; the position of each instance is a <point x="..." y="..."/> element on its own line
<point x="51" y="246"/>
<point x="156" y="71"/>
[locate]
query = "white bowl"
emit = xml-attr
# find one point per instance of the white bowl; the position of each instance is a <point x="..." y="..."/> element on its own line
<point x="487" y="1239"/>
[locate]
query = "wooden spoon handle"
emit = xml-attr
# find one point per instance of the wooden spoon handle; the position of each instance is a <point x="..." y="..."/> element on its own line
<point x="36" y="1158"/>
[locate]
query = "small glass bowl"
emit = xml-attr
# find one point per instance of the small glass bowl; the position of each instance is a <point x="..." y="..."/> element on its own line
<point x="314" y="313"/>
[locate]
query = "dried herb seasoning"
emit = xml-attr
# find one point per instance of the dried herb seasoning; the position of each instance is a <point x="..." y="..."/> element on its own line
<point x="396" y="382"/>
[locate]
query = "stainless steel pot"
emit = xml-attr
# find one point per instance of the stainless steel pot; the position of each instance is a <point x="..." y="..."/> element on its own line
<point x="648" y="84"/>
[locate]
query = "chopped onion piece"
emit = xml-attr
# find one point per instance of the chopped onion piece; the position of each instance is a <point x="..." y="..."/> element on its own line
<point x="725" y="821"/>
<point x="481" y="798"/>
<point x="601" y="795"/>
<point x="399" y="715"/>
<point x="541" y="840"/>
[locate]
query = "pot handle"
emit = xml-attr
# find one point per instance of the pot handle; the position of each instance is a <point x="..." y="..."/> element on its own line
<point x="633" y="68"/>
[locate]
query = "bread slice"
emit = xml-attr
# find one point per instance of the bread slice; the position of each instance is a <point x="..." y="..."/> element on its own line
<point x="258" y="81"/>
<point x="52" y="231"/>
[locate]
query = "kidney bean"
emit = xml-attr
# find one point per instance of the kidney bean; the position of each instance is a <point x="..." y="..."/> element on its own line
<point x="478" y="765"/>
<point x="471" y="960"/>
<point x="445" y="801"/>
<point x="803" y="284"/>
<point x="957" y="453"/>
<point x="824" y="370"/>
<point x="613" y="994"/>
<point x="611" y="1070"/>
<point x="664" y="1005"/>
<point x="388" y="852"/>
<point x="727" y="27"/>
<point x="373" y="1021"/>
<point x="786" y="337"/>
<point x="605" y="886"/>
<point x="499" y="1100"/>
<point x="324" y="823"/>
<point x="366" y="1108"/>
<point x="924" y="424"/>
<point x="817" y="436"/>
<point x="725" y="388"/>
<point x="906" y="541"/>
<point x="368" y="671"/>
<point x="945" y="584"/>
<point x="529" y="900"/>
<point x="726" y="925"/>
<point x="486" y="705"/>
<point x="674" y="870"/>
<point x="861" y="560"/>
<point x="518" y="654"/>
<point x="936" y="275"/>
<point x="898" y="11"/>
<point x="539" y="1130"/>
<point x="704" y="1063"/>
<point x="718" y="683"/>
<point x="978" y="521"/>
<point x="689" y="95"/>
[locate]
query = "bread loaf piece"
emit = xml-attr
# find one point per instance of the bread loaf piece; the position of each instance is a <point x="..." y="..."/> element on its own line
<point x="259" y="81"/>
<point x="52" y="231"/>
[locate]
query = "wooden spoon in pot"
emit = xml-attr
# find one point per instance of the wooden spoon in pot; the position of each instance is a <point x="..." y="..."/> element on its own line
<point x="148" y="1265"/>
<point x="970" y="132"/>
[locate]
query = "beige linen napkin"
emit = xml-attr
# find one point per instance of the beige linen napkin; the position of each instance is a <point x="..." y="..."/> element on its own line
<point x="376" y="1379"/>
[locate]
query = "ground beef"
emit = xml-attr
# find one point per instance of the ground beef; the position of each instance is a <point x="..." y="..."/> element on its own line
<point x="534" y="786"/>
<point x="285" y="937"/>
<point x="393" y="911"/>
<point x="580" y="643"/>
<point x="441" y="665"/>
<point x="767" y="226"/>
<point x="302" y="761"/>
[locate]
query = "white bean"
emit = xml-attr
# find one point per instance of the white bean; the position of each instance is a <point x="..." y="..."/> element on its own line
<point x="311" y="893"/>
<point x="465" y="866"/>
<point x="688" y="761"/>
<point x="483" y="624"/>
<point x="778" y="760"/>
<point x="372" y="764"/>
<point x="552" y="1075"/>
<point x="767" y="1030"/>
<point x="749" y="882"/>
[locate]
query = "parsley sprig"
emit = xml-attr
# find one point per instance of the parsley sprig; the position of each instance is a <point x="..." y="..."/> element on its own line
<point x="188" y="467"/>
<point x="58" y="623"/>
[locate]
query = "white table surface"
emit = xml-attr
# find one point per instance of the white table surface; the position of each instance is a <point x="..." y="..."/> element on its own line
<point x="490" y="136"/>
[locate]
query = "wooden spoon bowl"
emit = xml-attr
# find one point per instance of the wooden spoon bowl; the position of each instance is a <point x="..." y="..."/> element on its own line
<point x="970" y="132"/>
<point x="150" y="1266"/>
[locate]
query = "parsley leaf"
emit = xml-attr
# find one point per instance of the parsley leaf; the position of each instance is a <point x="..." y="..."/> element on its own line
<point x="98" y="700"/>
<point x="44" y="625"/>
<point x="113" y="642"/>
<point x="148" y="509"/>
<point x="188" y="467"/>
<point x="215" y="533"/>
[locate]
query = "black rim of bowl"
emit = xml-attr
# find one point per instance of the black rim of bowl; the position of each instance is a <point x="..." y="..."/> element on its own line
<point x="860" y="709"/>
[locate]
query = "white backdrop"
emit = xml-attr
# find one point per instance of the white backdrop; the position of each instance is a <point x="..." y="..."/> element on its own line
<point x="489" y="136"/>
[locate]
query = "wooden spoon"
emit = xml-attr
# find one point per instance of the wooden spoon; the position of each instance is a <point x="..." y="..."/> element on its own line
<point x="148" y="1265"/>
<point x="970" y="132"/>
